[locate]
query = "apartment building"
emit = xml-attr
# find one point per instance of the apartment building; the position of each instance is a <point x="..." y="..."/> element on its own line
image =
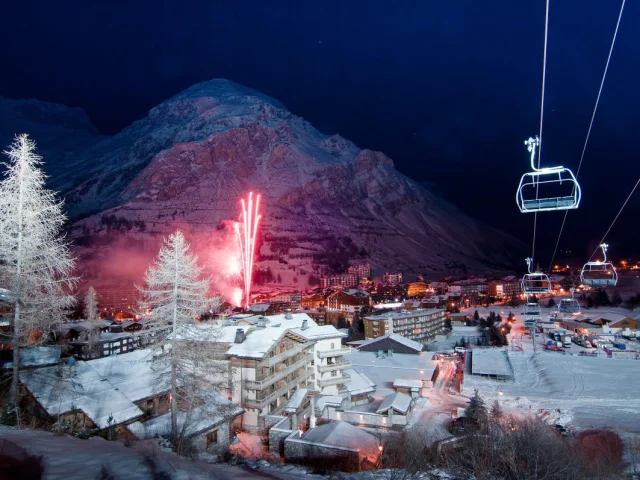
<point x="270" y="358"/>
<point x="504" y="289"/>
<point x="347" y="280"/>
<point x="360" y="270"/>
<point x="419" y="325"/>
<point x="392" y="278"/>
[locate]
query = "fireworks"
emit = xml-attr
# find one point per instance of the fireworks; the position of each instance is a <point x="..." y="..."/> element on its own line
<point x="246" y="230"/>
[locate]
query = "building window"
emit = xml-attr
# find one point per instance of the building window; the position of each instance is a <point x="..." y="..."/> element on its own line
<point x="212" y="437"/>
<point x="334" y="373"/>
<point x="332" y="346"/>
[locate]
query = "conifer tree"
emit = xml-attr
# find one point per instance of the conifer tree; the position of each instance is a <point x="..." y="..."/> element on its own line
<point x="35" y="263"/>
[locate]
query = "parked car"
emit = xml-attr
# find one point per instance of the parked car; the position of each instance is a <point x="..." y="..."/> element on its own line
<point x="460" y="350"/>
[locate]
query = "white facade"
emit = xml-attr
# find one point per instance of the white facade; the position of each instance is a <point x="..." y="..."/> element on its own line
<point x="329" y="365"/>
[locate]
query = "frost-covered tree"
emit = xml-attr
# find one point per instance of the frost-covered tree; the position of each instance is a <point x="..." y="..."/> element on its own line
<point x="174" y="296"/>
<point x="91" y="315"/>
<point x="91" y="305"/>
<point x="35" y="262"/>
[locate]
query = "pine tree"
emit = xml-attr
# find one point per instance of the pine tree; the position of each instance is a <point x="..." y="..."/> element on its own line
<point x="35" y="263"/>
<point x="176" y="294"/>
<point x="496" y="413"/>
<point x="551" y="303"/>
<point x="477" y="410"/>
<point x="616" y="299"/>
<point x="476" y="316"/>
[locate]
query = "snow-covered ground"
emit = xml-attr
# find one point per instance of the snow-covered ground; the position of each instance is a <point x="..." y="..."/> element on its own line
<point x="566" y="388"/>
<point x="70" y="458"/>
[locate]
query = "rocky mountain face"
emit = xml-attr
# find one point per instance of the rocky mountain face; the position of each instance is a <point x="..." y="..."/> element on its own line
<point x="187" y="164"/>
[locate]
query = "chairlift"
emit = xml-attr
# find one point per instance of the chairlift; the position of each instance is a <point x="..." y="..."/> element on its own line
<point x="569" y="305"/>
<point x="535" y="282"/>
<point x="547" y="189"/>
<point x="532" y="310"/>
<point x="599" y="274"/>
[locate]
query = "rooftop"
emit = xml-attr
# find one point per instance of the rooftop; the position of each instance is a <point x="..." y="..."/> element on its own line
<point x="360" y="383"/>
<point x="407" y="342"/>
<point x="490" y="362"/>
<point x="295" y="402"/>
<point x="384" y="372"/>
<point x="342" y="434"/>
<point x="407" y="383"/>
<point x="398" y="401"/>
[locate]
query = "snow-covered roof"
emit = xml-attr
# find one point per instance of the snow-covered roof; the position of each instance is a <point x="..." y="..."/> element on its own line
<point x="398" y="401"/>
<point x="259" y="341"/>
<point x="356" y="291"/>
<point x="407" y="383"/>
<point x="295" y="402"/>
<point x="320" y="332"/>
<point x="407" y="342"/>
<point x="360" y="383"/>
<point x="216" y="411"/>
<point x="84" y="389"/>
<point x="259" y="307"/>
<point x="490" y="362"/>
<point x="100" y="388"/>
<point x="384" y="371"/>
<point x="330" y="400"/>
<point x="342" y="434"/>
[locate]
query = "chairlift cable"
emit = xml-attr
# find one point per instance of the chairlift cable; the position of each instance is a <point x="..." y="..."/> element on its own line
<point x="614" y="220"/>
<point x="593" y="116"/>
<point x="544" y="77"/>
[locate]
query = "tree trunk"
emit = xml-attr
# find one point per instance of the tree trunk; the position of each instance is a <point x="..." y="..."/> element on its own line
<point x="174" y="402"/>
<point x="17" y="295"/>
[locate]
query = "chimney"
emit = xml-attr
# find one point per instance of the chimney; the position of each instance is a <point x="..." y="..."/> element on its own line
<point x="240" y="336"/>
<point x="288" y="315"/>
<point x="305" y="324"/>
<point x="262" y="322"/>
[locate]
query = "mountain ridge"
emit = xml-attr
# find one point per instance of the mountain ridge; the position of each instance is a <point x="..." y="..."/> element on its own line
<point x="189" y="161"/>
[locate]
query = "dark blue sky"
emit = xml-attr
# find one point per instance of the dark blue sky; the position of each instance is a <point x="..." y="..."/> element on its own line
<point x="448" y="89"/>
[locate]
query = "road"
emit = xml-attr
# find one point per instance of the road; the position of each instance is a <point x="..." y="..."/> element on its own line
<point x="442" y="403"/>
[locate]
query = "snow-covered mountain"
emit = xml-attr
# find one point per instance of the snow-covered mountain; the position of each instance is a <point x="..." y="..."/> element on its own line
<point x="187" y="164"/>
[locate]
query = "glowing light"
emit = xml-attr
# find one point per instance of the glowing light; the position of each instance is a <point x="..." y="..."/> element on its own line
<point x="246" y="230"/>
<point x="236" y="297"/>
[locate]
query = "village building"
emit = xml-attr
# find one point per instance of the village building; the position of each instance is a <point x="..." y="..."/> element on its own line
<point x="392" y="342"/>
<point x="392" y="278"/>
<point x="339" y="444"/>
<point x="349" y="301"/>
<point x="419" y="325"/>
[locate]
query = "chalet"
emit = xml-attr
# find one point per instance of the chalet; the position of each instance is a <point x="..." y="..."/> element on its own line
<point x="397" y="407"/>
<point x="99" y="395"/>
<point x="407" y="386"/>
<point x="348" y="300"/>
<point x="313" y="302"/>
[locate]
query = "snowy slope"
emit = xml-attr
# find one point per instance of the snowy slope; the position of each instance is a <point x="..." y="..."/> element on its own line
<point x="189" y="161"/>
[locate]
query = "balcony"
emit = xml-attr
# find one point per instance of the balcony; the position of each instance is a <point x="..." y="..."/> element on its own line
<point x="327" y="382"/>
<point x="276" y="359"/>
<point x="260" y="403"/>
<point x="338" y="352"/>
<point x="271" y="379"/>
<point x="334" y="366"/>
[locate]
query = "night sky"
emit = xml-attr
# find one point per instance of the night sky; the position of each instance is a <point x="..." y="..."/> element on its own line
<point x="448" y="89"/>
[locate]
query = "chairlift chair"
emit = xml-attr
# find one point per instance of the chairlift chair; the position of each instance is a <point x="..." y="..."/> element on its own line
<point x="532" y="311"/>
<point x="560" y="180"/>
<point x="569" y="305"/>
<point x="535" y="282"/>
<point x="599" y="274"/>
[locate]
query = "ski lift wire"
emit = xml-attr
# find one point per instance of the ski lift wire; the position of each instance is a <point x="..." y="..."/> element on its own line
<point x="614" y="220"/>
<point x="544" y="77"/>
<point x="593" y="116"/>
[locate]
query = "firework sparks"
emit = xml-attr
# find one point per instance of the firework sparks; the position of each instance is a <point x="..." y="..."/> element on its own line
<point x="246" y="230"/>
